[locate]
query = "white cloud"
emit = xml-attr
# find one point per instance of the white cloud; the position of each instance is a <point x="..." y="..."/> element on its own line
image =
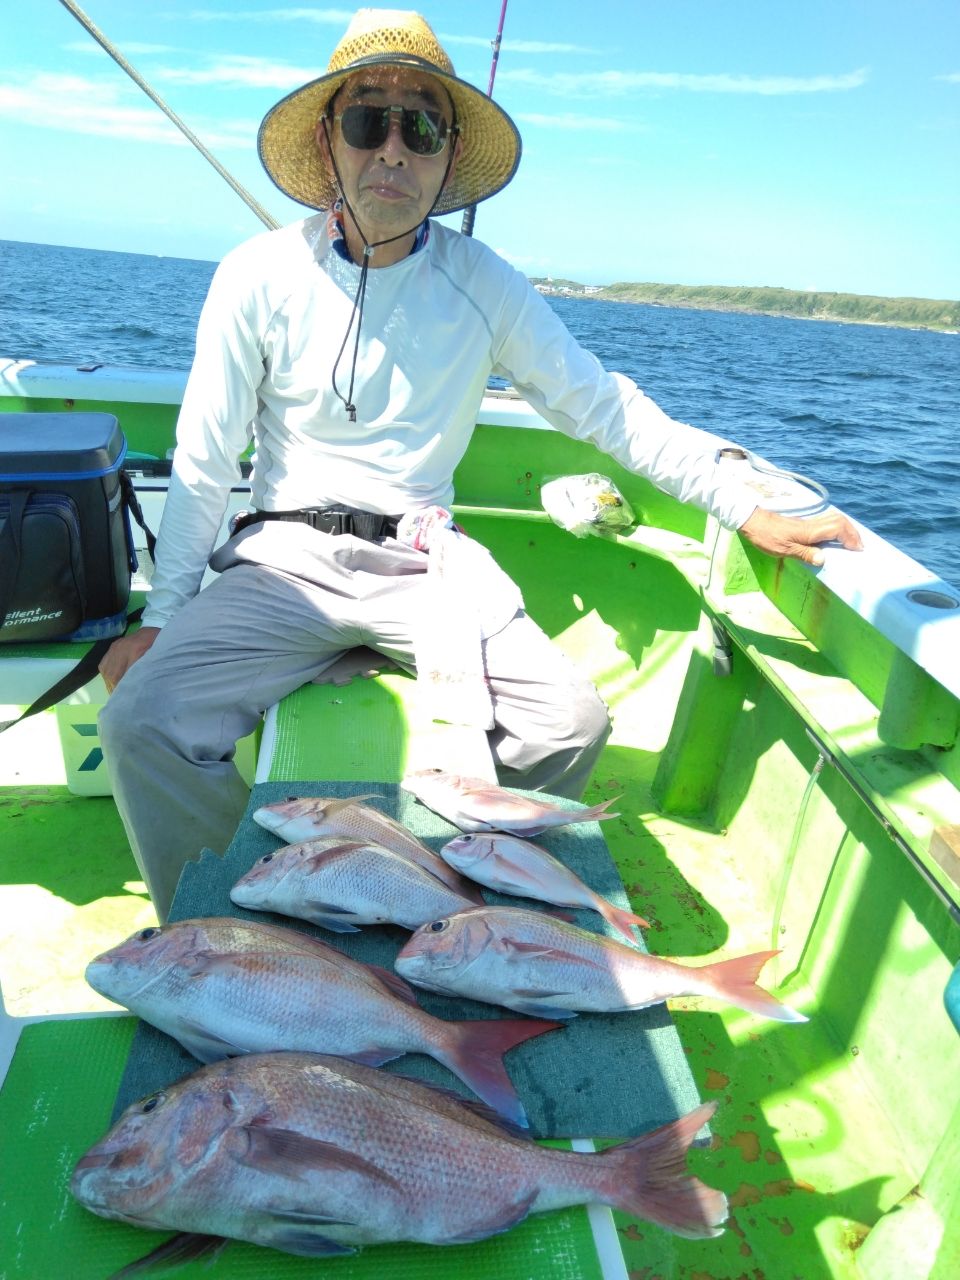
<point x="570" y="120"/>
<point x="101" y="110"/>
<point x="327" y="17"/>
<point x="239" y="71"/>
<point x="85" y="47"/>
<point x="952" y="77"/>
<point x="516" y="46"/>
<point x="621" y="82"/>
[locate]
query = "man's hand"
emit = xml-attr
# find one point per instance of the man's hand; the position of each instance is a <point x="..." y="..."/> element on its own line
<point x="790" y="536"/>
<point x="123" y="653"/>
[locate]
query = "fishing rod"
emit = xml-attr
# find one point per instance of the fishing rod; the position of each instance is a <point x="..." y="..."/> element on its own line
<point x="470" y="213"/>
<point x="89" y="26"/>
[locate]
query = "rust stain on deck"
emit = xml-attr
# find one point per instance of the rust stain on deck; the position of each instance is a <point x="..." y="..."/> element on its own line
<point x="716" y="1079"/>
<point x="748" y="1145"/>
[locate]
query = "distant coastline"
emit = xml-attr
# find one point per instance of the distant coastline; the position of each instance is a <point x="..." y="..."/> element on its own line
<point x="847" y="308"/>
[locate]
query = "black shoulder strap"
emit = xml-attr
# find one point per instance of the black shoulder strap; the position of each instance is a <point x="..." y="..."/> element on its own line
<point x="133" y="504"/>
<point x="75" y="678"/>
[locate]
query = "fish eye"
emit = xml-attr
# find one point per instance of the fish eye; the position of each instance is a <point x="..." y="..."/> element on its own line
<point x="151" y="1103"/>
<point x="267" y="857"/>
<point x="290" y="799"/>
<point x="438" y="926"/>
<point x="146" y="934"/>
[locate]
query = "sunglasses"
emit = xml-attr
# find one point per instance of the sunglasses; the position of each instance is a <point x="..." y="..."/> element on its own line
<point x="366" y="127"/>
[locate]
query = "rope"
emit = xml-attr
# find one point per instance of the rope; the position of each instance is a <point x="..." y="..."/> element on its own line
<point x="171" y="115"/>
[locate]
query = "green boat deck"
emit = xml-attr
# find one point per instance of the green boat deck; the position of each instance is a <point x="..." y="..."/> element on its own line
<point x="794" y="802"/>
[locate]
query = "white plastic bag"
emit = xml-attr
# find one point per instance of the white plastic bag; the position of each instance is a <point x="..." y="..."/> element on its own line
<point x="586" y="504"/>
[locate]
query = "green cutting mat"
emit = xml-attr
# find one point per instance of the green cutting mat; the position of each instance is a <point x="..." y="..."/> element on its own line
<point x="56" y="1102"/>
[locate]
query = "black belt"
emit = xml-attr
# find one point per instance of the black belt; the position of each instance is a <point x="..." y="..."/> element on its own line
<point x="362" y="524"/>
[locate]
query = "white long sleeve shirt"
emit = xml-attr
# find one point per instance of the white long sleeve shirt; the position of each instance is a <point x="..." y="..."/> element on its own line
<point x="435" y="326"/>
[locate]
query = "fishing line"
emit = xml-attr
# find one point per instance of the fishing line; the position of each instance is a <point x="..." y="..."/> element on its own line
<point x="470" y="213"/>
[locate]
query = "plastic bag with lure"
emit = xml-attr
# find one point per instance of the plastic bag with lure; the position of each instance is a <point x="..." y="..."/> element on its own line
<point x="223" y="986"/>
<point x="305" y="819"/>
<point x="341" y="885"/>
<point x="528" y="961"/>
<point x="316" y="1156"/>
<point x="511" y="865"/>
<point x="473" y="804"/>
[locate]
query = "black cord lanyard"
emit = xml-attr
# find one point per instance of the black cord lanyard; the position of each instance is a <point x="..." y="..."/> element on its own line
<point x="368" y="250"/>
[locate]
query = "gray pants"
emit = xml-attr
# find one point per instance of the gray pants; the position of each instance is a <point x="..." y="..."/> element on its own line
<point x="258" y="632"/>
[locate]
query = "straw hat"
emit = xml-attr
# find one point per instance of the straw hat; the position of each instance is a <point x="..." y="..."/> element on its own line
<point x="392" y="38"/>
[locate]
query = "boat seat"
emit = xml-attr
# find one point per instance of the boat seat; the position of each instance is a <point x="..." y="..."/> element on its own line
<point x="56" y="1100"/>
<point x="370" y="730"/>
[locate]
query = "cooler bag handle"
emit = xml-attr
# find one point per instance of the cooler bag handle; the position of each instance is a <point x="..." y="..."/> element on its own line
<point x="10" y="542"/>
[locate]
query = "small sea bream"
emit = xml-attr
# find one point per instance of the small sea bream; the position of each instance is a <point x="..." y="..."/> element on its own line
<point x="474" y="804"/>
<point x="223" y="986"/>
<point x="341" y="886"/>
<point x="297" y="820"/>
<point x="511" y="865"/>
<point x="315" y="1156"/>
<point x="531" y="962"/>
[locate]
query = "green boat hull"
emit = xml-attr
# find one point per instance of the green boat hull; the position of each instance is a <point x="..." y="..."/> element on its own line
<point x="787" y="777"/>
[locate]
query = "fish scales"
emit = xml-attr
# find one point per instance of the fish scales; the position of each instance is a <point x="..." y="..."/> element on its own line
<point x="531" y="962"/>
<point x="306" y="818"/>
<point x="511" y="865"/>
<point x="223" y="986"/>
<point x="312" y="1155"/>
<point x="474" y="804"/>
<point x="341" y="886"/>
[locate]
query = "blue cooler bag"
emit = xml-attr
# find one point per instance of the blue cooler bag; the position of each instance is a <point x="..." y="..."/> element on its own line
<point x="66" y="551"/>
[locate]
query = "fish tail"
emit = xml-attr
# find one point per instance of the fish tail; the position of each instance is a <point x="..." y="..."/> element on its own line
<point x="620" y="919"/>
<point x="598" y="811"/>
<point x="648" y="1176"/>
<point x="474" y="1053"/>
<point x="736" y="982"/>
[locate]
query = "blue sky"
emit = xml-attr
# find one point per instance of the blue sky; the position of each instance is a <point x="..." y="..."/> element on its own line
<point x="813" y="144"/>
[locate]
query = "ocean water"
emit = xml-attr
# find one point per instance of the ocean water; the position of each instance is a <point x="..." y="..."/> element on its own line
<point x="872" y="413"/>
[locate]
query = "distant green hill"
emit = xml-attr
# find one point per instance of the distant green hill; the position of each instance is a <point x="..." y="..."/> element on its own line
<point x="924" y="313"/>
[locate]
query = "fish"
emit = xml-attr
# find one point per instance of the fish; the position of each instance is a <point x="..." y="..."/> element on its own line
<point x="528" y="961"/>
<point x="511" y="865"/>
<point x="304" y="819"/>
<point x="474" y="804"/>
<point x="315" y="1156"/>
<point x="340" y="886"/>
<point x="223" y="986"/>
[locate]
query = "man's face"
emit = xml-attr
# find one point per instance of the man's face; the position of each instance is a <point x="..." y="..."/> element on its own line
<point x="390" y="188"/>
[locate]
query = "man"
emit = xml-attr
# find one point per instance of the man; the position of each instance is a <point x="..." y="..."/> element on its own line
<point x="354" y="347"/>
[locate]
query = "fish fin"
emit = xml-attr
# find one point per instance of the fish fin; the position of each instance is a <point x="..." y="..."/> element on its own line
<point x="186" y="1246"/>
<point x="329" y="854"/>
<point x="293" y="1235"/>
<point x="398" y="987"/>
<point x="566" y="916"/>
<point x="736" y="982"/>
<point x="529" y="1002"/>
<point x="647" y="1176"/>
<point x="372" y="1057"/>
<point x="334" y="805"/>
<point x="620" y="919"/>
<point x="481" y="1109"/>
<point x="473" y="1051"/>
<point x="203" y="1044"/>
<point x="495" y="1225"/>
<point x="290" y="1154"/>
<point x="529" y="949"/>
<point x="327" y="916"/>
